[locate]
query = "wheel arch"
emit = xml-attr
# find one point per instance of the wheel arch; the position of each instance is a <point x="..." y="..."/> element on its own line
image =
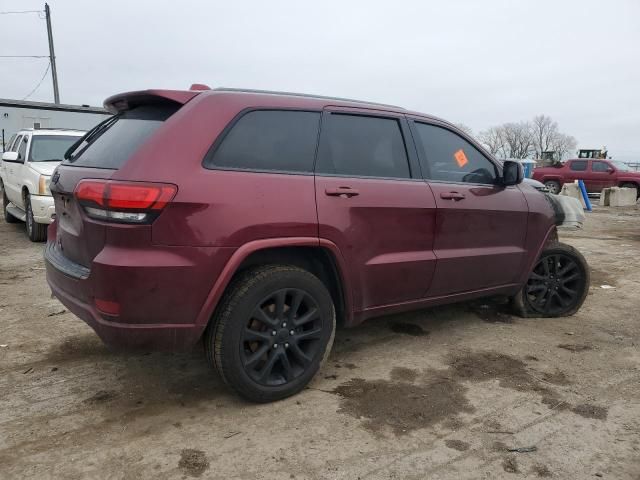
<point x="29" y="188"/>
<point x="320" y="257"/>
<point x="555" y="178"/>
<point x="550" y="238"/>
<point x="633" y="181"/>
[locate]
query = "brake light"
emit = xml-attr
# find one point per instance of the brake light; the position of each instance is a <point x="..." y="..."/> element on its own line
<point x="128" y="202"/>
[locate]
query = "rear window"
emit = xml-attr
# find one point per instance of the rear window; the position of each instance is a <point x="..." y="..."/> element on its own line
<point x="48" y="148"/>
<point x="279" y="140"/>
<point x="112" y="142"/>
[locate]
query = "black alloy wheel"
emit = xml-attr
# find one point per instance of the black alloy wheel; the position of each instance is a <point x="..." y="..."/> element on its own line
<point x="271" y="332"/>
<point x="281" y="337"/>
<point x="557" y="285"/>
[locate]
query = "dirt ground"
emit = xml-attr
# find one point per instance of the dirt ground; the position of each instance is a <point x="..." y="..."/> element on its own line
<point x="447" y="393"/>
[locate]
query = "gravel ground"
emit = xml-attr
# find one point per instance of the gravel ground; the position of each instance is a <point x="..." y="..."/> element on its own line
<point x="441" y="393"/>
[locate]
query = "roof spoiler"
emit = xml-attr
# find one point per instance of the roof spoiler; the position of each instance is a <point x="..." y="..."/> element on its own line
<point x="128" y="100"/>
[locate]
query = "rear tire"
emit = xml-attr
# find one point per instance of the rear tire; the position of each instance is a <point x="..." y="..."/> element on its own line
<point x="272" y="332"/>
<point x="5" y="203"/>
<point x="37" y="232"/>
<point x="557" y="286"/>
<point x="553" y="186"/>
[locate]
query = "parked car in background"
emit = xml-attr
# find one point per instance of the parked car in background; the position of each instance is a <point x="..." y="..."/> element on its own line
<point x="25" y="173"/>
<point x="596" y="174"/>
<point x="281" y="215"/>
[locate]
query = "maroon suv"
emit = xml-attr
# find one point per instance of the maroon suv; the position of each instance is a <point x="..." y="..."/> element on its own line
<point x="257" y="220"/>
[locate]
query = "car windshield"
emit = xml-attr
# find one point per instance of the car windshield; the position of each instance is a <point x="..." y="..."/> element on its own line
<point x="50" y="148"/>
<point x="621" y="166"/>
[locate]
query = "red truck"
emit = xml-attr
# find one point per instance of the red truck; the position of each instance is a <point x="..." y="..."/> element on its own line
<point x="596" y="173"/>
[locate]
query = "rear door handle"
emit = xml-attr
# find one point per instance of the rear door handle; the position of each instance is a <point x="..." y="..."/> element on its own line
<point x="346" y="192"/>
<point x="452" y="196"/>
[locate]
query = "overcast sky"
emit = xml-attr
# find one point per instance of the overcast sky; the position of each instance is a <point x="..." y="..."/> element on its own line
<point x="476" y="62"/>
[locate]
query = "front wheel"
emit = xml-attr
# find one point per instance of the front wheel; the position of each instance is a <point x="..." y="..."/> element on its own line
<point x="272" y="332"/>
<point x="37" y="232"/>
<point x="557" y="286"/>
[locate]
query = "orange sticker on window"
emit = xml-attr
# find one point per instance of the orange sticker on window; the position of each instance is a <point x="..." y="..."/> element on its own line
<point x="461" y="158"/>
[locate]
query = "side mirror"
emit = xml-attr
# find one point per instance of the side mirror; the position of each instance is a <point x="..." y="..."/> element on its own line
<point x="512" y="173"/>
<point x="10" y="157"/>
<point x="610" y="169"/>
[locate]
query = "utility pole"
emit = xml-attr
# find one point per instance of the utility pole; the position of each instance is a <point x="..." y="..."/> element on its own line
<point x="52" y="55"/>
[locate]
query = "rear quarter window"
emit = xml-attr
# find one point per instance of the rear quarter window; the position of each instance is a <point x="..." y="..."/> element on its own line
<point x="263" y="140"/>
<point x="114" y="145"/>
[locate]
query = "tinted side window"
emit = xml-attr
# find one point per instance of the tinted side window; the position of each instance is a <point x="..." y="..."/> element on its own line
<point x="600" y="167"/>
<point x="578" y="166"/>
<point x="450" y="158"/>
<point x="22" y="149"/>
<point x="363" y="147"/>
<point x="269" y="140"/>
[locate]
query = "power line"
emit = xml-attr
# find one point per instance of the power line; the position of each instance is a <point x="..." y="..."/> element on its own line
<point x="40" y="82"/>
<point x="21" y="11"/>
<point x="24" y="56"/>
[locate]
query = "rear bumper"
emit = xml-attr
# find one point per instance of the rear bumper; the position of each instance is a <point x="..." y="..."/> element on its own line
<point x="160" y="292"/>
<point x="125" y="335"/>
<point x="43" y="208"/>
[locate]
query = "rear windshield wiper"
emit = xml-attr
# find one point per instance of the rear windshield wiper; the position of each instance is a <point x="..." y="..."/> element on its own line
<point x="91" y="134"/>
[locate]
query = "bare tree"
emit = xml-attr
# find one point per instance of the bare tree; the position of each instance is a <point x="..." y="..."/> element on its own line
<point x="518" y="139"/>
<point x="544" y="131"/>
<point x="563" y="144"/>
<point x="526" y="139"/>
<point x="493" y="139"/>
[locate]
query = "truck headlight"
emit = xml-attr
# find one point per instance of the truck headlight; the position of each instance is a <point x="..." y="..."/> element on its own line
<point x="43" y="185"/>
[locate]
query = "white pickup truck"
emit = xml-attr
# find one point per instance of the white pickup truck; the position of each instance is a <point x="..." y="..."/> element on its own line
<point x="25" y="173"/>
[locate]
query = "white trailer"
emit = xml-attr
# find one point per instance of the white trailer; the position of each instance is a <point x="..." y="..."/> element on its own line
<point x="18" y="114"/>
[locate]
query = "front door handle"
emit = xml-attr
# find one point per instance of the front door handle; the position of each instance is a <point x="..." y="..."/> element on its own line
<point x="452" y="196"/>
<point x="346" y="192"/>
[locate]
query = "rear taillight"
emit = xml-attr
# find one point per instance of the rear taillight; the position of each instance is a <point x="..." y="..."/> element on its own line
<point x="123" y="202"/>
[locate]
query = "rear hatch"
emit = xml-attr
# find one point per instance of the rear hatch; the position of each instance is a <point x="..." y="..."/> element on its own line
<point x="99" y="155"/>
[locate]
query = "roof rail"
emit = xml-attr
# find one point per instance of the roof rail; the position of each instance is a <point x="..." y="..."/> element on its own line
<point x="62" y="129"/>
<point x="305" y="95"/>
